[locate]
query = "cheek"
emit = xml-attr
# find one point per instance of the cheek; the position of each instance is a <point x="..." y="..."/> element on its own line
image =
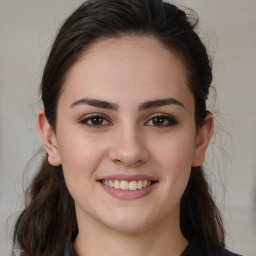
<point x="175" y="149"/>
<point x="80" y="157"/>
<point x="174" y="155"/>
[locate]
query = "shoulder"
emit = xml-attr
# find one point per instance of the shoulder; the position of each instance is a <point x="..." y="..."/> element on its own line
<point x="231" y="253"/>
<point x="226" y="253"/>
<point x="197" y="248"/>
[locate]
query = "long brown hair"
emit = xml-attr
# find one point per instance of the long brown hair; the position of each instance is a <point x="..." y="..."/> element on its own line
<point x="49" y="214"/>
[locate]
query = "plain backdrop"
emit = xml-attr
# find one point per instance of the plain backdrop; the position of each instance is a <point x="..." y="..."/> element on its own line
<point x="228" y="28"/>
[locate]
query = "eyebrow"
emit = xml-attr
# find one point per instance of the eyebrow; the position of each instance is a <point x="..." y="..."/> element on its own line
<point x="95" y="103"/>
<point x="112" y="106"/>
<point x="160" y="103"/>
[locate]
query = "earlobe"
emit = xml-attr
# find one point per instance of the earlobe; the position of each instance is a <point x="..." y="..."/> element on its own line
<point x="49" y="138"/>
<point x="202" y="140"/>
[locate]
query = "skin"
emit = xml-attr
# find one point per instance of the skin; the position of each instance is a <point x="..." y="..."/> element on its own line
<point x="127" y="72"/>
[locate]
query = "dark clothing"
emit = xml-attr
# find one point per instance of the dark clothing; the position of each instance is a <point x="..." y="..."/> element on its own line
<point x="195" y="248"/>
<point x="68" y="249"/>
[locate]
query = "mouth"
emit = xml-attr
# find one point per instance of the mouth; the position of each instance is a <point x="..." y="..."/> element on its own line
<point x="128" y="185"/>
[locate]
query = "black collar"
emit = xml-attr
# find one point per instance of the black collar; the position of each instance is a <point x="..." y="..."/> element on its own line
<point x="195" y="248"/>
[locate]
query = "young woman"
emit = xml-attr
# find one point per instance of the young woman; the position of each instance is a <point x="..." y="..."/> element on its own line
<point x="125" y="128"/>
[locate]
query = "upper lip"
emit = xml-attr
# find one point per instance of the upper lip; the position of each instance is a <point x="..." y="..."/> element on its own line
<point x="133" y="177"/>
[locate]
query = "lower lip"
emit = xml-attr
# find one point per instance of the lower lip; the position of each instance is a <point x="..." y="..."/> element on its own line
<point x="128" y="194"/>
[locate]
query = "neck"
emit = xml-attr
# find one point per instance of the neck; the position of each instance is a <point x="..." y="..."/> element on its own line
<point x="165" y="238"/>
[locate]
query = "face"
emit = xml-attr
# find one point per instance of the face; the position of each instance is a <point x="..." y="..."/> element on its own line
<point x="126" y="134"/>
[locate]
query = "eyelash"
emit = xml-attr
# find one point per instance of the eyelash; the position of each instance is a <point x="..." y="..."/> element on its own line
<point x="167" y="121"/>
<point x="90" y="118"/>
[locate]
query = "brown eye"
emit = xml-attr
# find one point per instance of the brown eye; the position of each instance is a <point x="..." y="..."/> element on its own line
<point x="161" y="121"/>
<point x="158" y="121"/>
<point x="95" y="121"/>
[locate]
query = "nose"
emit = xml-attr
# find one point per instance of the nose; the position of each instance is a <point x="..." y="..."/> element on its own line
<point x="129" y="148"/>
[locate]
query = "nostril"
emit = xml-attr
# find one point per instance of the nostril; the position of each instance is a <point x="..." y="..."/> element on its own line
<point x="131" y="158"/>
<point x="128" y="151"/>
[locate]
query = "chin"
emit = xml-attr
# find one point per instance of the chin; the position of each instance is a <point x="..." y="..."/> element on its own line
<point x="129" y="222"/>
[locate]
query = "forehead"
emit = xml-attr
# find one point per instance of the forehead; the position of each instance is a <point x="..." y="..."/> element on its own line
<point x="122" y="66"/>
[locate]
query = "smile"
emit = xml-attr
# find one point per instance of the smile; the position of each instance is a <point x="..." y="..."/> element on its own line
<point x="126" y="185"/>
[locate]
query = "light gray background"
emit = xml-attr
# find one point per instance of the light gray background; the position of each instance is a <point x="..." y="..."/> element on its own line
<point x="228" y="28"/>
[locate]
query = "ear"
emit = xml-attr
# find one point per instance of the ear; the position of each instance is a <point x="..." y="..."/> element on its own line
<point x="203" y="137"/>
<point x="49" y="138"/>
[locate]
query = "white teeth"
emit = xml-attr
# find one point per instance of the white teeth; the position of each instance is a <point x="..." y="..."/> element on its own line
<point x="125" y="185"/>
<point x="133" y="185"/>
<point x="145" y="183"/>
<point x="116" y="184"/>
<point x="110" y="183"/>
<point x="140" y="184"/>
